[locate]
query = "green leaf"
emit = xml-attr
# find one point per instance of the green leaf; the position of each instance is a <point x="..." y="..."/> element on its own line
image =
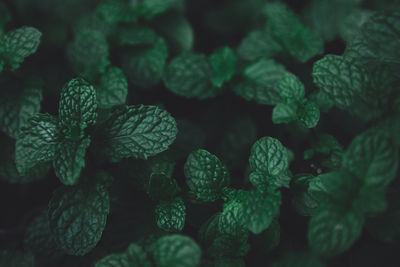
<point x="232" y="220"/>
<point x="144" y="66"/>
<point x="189" y="75"/>
<point x="151" y="8"/>
<point x="133" y="256"/>
<point x="373" y="158"/>
<point x="170" y="215"/>
<point x="371" y="200"/>
<point x="342" y="79"/>
<point x="37" y="142"/>
<point x="115" y="11"/>
<point x="268" y="156"/>
<point x="286" y="27"/>
<point x="223" y="64"/>
<point x="77" y="216"/>
<point x="284" y="113"/>
<point x="260" y="80"/>
<point x="15" y="258"/>
<point x="332" y="230"/>
<point x="258" y="44"/>
<point x="309" y="114"/>
<point x="260" y="209"/>
<point x="88" y="53"/>
<point x="39" y="240"/>
<point x="8" y="169"/>
<point x="113" y="88"/>
<point x="77" y="107"/>
<point x="162" y="187"/>
<point x="291" y="89"/>
<point x="70" y="160"/>
<point x="205" y="175"/>
<point x="18" y="44"/>
<point x="176" y="250"/>
<point x="17" y="106"/>
<point x="138" y="131"/>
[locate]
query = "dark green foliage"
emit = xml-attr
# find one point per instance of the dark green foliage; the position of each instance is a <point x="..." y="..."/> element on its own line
<point x="173" y="133"/>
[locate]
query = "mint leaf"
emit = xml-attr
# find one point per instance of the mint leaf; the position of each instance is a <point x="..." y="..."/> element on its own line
<point x="37" y="142"/>
<point x="151" y="8"/>
<point x="309" y="114"/>
<point x="268" y="156"/>
<point x="77" y="107"/>
<point x="291" y="89"/>
<point x="144" y="66"/>
<point x="260" y="80"/>
<point x="259" y="209"/>
<point x="371" y="200"/>
<point x="176" y="250"/>
<point x="17" y="106"/>
<point x="170" y="215"/>
<point x="113" y="88"/>
<point x="77" y="216"/>
<point x="333" y="230"/>
<point x="223" y="64"/>
<point x="8" y="169"/>
<point x="189" y="75"/>
<point x="205" y="175"/>
<point x="138" y="131"/>
<point x="258" y="44"/>
<point x="18" y="44"/>
<point x="132" y="256"/>
<point x="115" y="11"/>
<point x="373" y="158"/>
<point x="39" y="240"/>
<point x="88" y="53"/>
<point x="342" y="79"/>
<point x="286" y="27"/>
<point x="69" y="160"/>
<point x="284" y="113"/>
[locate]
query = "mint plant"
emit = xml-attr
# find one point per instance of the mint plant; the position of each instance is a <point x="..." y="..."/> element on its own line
<point x="199" y="133"/>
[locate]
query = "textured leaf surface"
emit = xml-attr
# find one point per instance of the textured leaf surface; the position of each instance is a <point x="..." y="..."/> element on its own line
<point x="69" y="160"/>
<point x="77" y="216"/>
<point x="113" y="89"/>
<point x="340" y="78"/>
<point x="223" y="64"/>
<point x="260" y="210"/>
<point x="284" y="113"/>
<point x="170" y="215"/>
<point x="8" y="169"/>
<point x="258" y="44"/>
<point x="205" y="175"/>
<point x="88" y="54"/>
<point x="332" y="231"/>
<point x="18" y="44"/>
<point x="132" y="257"/>
<point x="77" y="107"/>
<point x="291" y="89"/>
<point x="138" y="131"/>
<point x="39" y="240"/>
<point x="260" y="80"/>
<point x="176" y="250"/>
<point x="309" y="114"/>
<point x="37" y="142"/>
<point x="268" y="156"/>
<point x="298" y="40"/>
<point x="373" y="158"/>
<point x="189" y="75"/>
<point x="151" y="8"/>
<point x="115" y="11"/>
<point x="16" y="107"/>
